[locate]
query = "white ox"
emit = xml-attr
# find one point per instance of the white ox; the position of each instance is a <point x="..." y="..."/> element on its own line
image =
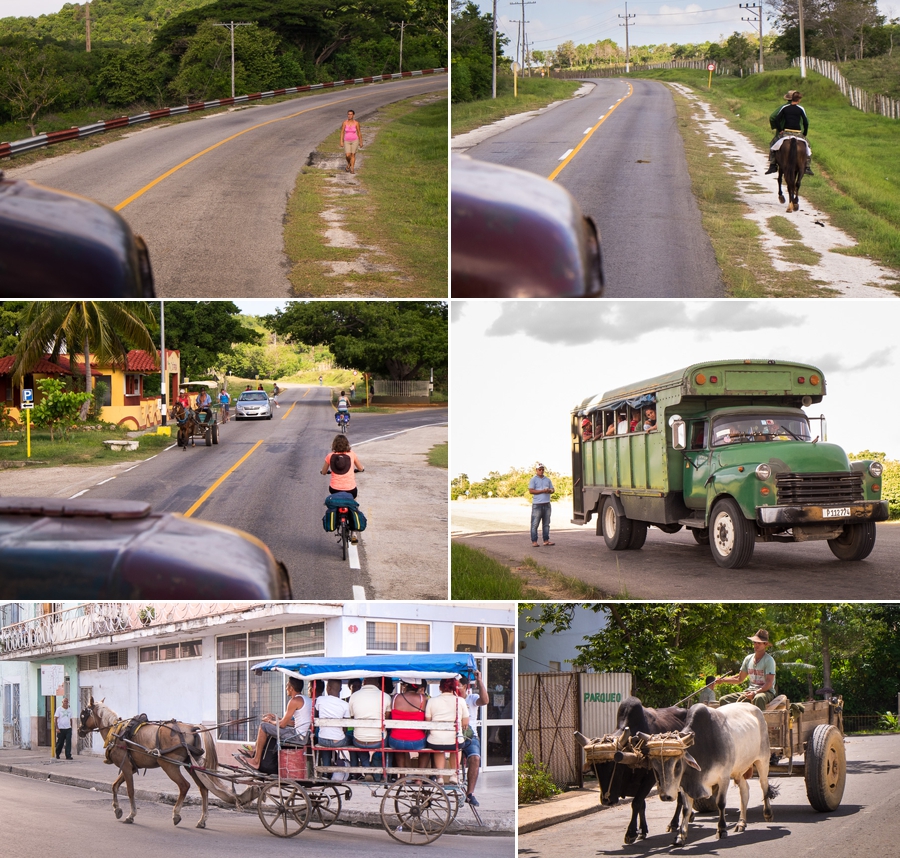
<point x="726" y="744"/>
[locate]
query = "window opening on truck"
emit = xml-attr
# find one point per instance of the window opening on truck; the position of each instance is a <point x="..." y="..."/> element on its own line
<point x="698" y="435"/>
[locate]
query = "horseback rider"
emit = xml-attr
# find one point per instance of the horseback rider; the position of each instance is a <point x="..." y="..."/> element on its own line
<point x="790" y="118"/>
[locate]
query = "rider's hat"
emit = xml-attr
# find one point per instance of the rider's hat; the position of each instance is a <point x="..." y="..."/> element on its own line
<point x="791" y="95"/>
<point x="762" y="636"/>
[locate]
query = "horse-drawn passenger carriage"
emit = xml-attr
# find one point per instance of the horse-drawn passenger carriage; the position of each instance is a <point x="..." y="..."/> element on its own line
<point x="415" y="808"/>
<point x="194" y="423"/>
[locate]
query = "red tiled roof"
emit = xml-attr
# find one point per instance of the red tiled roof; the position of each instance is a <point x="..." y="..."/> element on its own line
<point x="140" y="361"/>
<point x="43" y="367"/>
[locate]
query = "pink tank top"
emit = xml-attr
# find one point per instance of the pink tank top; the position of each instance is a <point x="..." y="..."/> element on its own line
<point x="350" y="132"/>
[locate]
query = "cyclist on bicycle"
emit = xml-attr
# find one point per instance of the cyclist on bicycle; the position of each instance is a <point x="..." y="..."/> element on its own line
<point x="343" y="409"/>
<point x="342" y="462"/>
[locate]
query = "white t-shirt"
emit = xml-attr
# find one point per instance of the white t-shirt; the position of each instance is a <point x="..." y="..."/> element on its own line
<point x="446" y="707"/>
<point x="331" y="707"/>
<point x="63" y="718"/>
<point x="472" y="703"/>
<point x="369" y="702"/>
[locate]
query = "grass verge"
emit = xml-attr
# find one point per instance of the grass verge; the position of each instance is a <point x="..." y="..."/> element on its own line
<point x="82" y="448"/>
<point x="398" y="220"/>
<point x="475" y="575"/>
<point x="438" y="456"/>
<point x="855" y="157"/>
<point x="534" y="93"/>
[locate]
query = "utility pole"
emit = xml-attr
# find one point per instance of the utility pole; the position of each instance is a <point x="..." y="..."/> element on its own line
<point x="231" y="25"/>
<point x="494" y="52"/>
<point x="523" y="4"/>
<point x="626" y="16"/>
<point x="163" y="381"/>
<point x="87" y="26"/>
<point x="752" y="7"/>
<point x="802" y="41"/>
<point x="402" y="26"/>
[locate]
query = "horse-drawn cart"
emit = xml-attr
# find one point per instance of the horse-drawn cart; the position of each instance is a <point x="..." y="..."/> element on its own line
<point x="416" y="806"/>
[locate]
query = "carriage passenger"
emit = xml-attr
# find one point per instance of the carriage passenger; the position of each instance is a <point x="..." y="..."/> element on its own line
<point x="370" y="702"/>
<point x="448" y="706"/>
<point x="409" y="705"/>
<point x="330" y="705"/>
<point x="293" y="727"/>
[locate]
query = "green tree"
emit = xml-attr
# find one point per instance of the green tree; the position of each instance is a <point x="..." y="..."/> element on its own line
<point x="205" y="332"/>
<point x="11" y="313"/>
<point x="739" y="49"/>
<point x="105" y="329"/>
<point x="127" y="77"/>
<point x="30" y="81"/>
<point x="57" y="408"/>
<point x="396" y="339"/>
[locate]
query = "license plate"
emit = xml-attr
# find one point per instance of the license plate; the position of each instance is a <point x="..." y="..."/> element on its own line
<point x="836" y="512"/>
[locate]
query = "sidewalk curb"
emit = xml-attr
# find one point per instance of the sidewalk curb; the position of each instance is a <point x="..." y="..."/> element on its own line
<point x="555" y="819"/>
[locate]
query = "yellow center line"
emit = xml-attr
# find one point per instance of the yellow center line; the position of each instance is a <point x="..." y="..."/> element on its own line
<point x="284" y="417"/>
<point x="308" y="391"/>
<point x="166" y="175"/>
<point x="588" y="136"/>
<point x="222" y="479"/>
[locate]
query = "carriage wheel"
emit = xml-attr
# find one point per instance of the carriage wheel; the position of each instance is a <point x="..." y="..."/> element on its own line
<point x="415" y="813"/>
<point x="215" y="433"/>
<point x="207" y="436"/>
<point x="283" y="809"/>
<point x="324" y="806"/>
<point x="826" y="768"/>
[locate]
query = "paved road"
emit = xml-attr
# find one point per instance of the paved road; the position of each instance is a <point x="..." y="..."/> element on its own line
<point x="72" y="821"/>
<point x="865" y="825"/>
<point x="674" y="567"/>
<point x="276" y="493"/>
<point x="214" y="227"/>
<point x="631" y="177"/>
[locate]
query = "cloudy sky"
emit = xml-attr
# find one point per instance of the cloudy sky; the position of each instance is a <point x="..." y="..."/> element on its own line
<point x="518" y="368"/>
<point x="587" y="21"/>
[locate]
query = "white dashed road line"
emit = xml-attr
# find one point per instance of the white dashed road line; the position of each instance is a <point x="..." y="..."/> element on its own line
<point x="568" y="152"/>
<point x="359" y="594"/>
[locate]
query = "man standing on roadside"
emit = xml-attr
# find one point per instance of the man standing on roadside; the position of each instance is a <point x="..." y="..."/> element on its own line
<point x="540" y="488"/>
<point x="63" y="718"/>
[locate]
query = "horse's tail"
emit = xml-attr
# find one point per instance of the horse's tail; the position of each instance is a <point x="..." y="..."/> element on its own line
<point x="225" y="790"/>
<point x="210" y="754"/>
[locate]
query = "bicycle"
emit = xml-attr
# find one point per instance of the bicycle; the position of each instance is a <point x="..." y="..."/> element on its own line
<point x="343" y="420"/>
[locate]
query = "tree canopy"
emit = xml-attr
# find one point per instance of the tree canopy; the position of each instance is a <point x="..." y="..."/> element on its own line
<point x="399" y="340"/>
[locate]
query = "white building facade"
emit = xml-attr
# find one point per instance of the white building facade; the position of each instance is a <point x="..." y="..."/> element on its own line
<point x="195" y="661"/>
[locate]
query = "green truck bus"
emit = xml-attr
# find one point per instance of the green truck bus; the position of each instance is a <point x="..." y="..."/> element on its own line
<point x="724" y="449"/>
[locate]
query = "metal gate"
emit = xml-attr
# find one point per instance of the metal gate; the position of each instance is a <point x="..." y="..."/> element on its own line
<point x="549" y="715"/>
<point x="84" y="745"/>
<point x="12" y="723"/>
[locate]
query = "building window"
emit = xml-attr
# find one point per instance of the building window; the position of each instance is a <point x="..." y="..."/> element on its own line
<point x="468" y="639"/>
<point x="555" y="666"/>
<point x="398" y="637"/>
<point x="132" y="385"/>
<point x="242" y="694"/>
<point x="10" y="614"/>
<point x="117" y="659"/>
<point x="170" y="652"/>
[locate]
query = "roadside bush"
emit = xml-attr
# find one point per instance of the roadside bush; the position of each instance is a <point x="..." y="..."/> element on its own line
<point x="889" y="722"/>
<point x="535" y="781"/>
<point x="58" y="408"/>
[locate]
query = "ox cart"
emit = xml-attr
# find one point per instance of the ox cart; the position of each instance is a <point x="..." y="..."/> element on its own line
<point x="807" y="739"/>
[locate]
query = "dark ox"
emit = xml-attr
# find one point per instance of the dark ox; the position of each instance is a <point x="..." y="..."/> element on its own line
<point x="725" y="744"/>
<point x="619" y="781"/>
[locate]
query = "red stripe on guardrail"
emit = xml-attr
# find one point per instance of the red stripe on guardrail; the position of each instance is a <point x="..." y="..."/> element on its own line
<point x="197" y="105"/>
<point x="59" y="136"/>
<point x="254" y="96"/>
<point x="5" y="150"/>
<point x="156" y="114"/>
<point x="225" y="101"/>
<point x="118" y="122"/>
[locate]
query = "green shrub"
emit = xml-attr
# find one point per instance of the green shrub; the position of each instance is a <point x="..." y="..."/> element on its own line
<point x="889" y="722"/>
<point x="535" y="781"/>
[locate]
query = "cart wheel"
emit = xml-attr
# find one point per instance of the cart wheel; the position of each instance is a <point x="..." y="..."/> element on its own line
<point x="453" y="798"/>
<point x="215" y="433"/>
<point x="207" y="436"/>
<point x="283" y="809"/>
<point x="324" y="806"/>
<point x="415" y="813"/>
<point x="826" y="768"/>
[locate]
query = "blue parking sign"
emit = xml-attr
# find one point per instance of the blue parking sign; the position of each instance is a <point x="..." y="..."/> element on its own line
<point x="27" y="397"/>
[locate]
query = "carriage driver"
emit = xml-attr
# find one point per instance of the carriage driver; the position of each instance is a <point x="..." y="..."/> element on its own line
<point x="204" y="403"/>
<point x="760" y="667"/>
<point x="788" y="117"/>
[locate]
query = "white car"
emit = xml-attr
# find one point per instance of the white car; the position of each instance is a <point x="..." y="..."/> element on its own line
<point x="253" y="403"/>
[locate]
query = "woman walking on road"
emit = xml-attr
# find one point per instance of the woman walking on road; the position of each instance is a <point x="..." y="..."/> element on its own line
<point x="351" y="140"/>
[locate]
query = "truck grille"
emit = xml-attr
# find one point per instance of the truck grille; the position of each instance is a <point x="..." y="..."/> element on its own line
<point x="816" y="489"/>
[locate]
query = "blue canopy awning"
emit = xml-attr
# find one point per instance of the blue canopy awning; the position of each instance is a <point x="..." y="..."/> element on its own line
<point x="420" y="665"/>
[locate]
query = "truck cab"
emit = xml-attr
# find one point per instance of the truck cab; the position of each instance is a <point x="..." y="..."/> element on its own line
<point x="731" y="455"/>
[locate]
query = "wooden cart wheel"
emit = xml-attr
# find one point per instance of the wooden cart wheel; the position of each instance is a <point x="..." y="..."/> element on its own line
<point x="415" y="811"/>
<point x="284" y="809"/>
<point x="826" y="768"/>
<point x="324" y="806"/>
<point x="215" y="433"/>
<point x="207" y="436"/>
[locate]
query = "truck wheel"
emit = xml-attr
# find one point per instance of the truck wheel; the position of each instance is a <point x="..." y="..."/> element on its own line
<point x="638" y="535"/>
<point x="616" y="528"/>
<point x="731" y="536"/>
<point x="855" y="543"/>
<point x="701" y="535"/>
<point x="826" y="768"/>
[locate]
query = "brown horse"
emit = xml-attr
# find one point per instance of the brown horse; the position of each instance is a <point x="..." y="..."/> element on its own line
<point x="792" y="159"/>
<point x="169" y="745"/>
<point x="186" y="418"/>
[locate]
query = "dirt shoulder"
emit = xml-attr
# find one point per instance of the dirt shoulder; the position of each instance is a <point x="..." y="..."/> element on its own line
<point x="61" y="482"/>
<point x="406" y="545"/>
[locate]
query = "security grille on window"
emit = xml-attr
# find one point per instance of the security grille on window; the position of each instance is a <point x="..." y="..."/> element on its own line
<point x="171" y="652"/>
<point x="132" y="385"/>
<point x="398" y="637"/>
<point x="241" y="693"/>
<point x="116" y="659"/>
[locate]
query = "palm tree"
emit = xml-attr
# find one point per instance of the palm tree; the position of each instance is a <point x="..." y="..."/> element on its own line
<point x="106" y="328"/>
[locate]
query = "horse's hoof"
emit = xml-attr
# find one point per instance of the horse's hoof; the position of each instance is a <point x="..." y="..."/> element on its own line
<point x="721" y="835"/>
<point x="642" y="835"/>
<point x="128" y="821"/>
<point x="201" y="824"/>
<point x="629" y="839"/>
<point x="740" y="827"/>
<point x="768" y="816"/>
<point x="118" y="812"/>
<point x="176" y="820"/>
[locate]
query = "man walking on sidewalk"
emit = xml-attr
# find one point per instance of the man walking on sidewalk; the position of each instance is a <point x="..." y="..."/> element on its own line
<point x="64" y="729"/>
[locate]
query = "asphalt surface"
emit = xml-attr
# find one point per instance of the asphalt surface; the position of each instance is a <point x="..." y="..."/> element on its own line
<point x="277" y="492"/>
<point x="631" y="177"/>
<point x="673" y="567"/>
<point x="214" y="227"/>
<point x="69" y="802"/>
<point x="864" y="825"/>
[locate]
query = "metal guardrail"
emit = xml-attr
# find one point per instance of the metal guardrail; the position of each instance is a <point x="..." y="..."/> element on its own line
<point x="29" y="144"/>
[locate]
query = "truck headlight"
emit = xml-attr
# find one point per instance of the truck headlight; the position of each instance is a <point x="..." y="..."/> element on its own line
<point x="763" y="471"/>
<point x="876" y="469"/>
